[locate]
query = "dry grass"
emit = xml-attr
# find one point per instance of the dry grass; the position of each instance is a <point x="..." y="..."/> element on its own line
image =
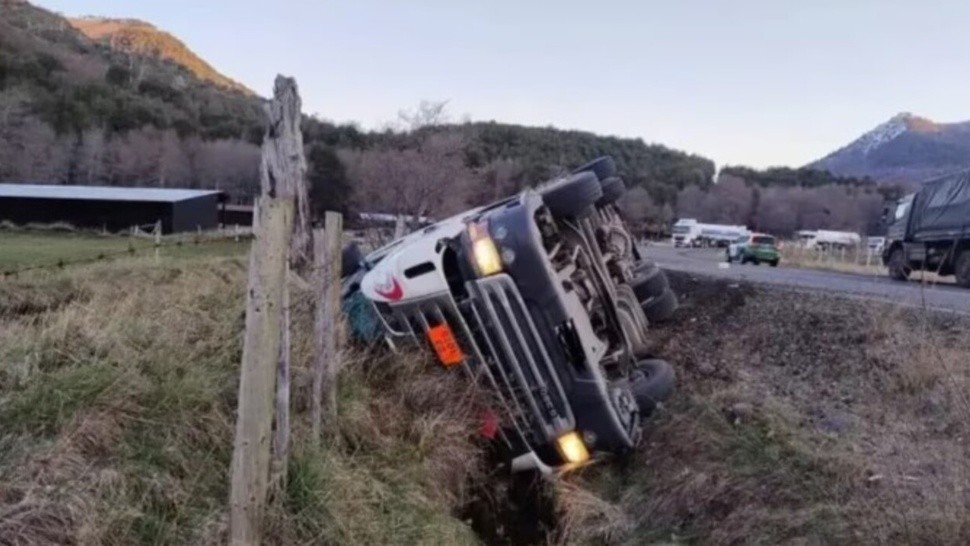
<point x="854" y="261"/>
<point x="797" y="420"/>
<point x="819" y="421"/>
<point x="117" y="391"/>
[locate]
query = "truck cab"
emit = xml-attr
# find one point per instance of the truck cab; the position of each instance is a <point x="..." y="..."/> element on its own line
<point x="685" y="233"/>
<point x="930" y="230"/>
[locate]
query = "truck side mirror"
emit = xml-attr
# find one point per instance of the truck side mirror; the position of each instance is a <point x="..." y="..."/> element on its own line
<point x="885" y="215"/>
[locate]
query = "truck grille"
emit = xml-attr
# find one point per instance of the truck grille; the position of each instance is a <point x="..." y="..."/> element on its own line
<point x="504" y="352"/>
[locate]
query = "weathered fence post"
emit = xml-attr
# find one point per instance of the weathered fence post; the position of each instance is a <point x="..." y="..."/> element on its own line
<point x="261" y="348"/>
<point x="327" y="251"/>
<point x="267" y="341"/>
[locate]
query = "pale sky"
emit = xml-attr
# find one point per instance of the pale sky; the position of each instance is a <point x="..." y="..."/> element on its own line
<point x="756" y="82"/>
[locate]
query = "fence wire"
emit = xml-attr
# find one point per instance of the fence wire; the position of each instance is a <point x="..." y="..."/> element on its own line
<point x="132" y="250"/>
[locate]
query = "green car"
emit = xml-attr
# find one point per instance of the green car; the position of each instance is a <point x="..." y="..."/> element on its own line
<point x="756" y="249"/>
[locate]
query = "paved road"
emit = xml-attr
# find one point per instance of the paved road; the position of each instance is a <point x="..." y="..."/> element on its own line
<point x="711" y="262"/>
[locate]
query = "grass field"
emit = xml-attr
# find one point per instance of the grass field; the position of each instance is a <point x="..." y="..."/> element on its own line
<point x="118" y="385"/>
<point x="29" y="248"/>
<point x="796" y="420"/>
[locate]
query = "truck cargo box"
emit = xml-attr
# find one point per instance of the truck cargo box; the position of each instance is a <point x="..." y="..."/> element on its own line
<point x="942" y="208"/>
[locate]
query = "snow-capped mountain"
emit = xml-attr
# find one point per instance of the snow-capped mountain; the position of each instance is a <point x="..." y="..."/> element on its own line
<point x="904" y="148"/>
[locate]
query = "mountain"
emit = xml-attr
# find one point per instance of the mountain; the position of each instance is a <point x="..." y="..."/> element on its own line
<point x="143" y="39"/>
<point x="907" y="148"/>
<point x="119" y="102"/>
<point x="52" y="71"/>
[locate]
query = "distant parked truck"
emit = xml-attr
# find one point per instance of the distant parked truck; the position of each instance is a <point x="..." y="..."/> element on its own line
<point x="721" y="235"/>
<point x="930" y="230"/>
<point x="688" y="232"/>
<point x="825" y="239"/>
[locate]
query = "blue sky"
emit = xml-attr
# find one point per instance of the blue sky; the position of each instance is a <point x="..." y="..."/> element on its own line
<point x="756" y="82"/>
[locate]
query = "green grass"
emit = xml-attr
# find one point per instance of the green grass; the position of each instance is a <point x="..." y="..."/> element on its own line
<point x="27" y="248"/>
<point x="118" y="385"/>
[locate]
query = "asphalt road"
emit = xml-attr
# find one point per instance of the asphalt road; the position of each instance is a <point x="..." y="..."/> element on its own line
<point x="915" y="294"/>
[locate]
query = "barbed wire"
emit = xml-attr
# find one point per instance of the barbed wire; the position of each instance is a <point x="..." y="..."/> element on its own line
<point x="132" y="250"/>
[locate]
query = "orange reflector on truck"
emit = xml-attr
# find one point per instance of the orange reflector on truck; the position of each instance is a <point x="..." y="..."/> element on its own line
<point x="445" y="345"/>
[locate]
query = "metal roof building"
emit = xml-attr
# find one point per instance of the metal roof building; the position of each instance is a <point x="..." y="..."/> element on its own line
<point x="109" y="207"/>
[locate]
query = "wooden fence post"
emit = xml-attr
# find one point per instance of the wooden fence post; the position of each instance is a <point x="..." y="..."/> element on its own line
<point x="261" y="349"/>
<point x="327" y="252"/>
<point x="267" y="340"/>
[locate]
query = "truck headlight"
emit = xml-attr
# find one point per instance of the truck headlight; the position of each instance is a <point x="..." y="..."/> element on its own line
<point x="485" y="254"/>
<point x="572" y="448"/>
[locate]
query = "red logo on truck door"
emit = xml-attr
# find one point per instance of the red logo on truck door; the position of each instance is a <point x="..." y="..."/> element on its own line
<point x="390" y="289"/>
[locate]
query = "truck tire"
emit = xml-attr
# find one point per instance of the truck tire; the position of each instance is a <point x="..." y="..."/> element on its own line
<point x="603" y="167"/>
<point x="649" y="282"/>
<point x="651" y="383"/>
<point x="613" y="189"/>
<point x="350" y="259"/>
<point x="660" y="308"/>
<point x="899" y="270"/>
<point x="574" y="196"/>
<point x="962" y="269"/>
<point x="773" y="263"/>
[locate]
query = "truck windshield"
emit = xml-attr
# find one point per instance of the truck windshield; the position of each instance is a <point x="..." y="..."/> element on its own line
<point x="681" y="229"/>
<point x="903" y="208"/>
<point x="763" y="240"/>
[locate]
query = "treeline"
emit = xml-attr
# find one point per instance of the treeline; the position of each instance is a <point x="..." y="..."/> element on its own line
<point x="427" y="165"/>
<point x="779" y="200"/>
<point x="76" y="112"/>
<point x="782" y="201"/>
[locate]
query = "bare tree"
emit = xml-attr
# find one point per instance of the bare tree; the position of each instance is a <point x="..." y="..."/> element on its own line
<point x="427" y="114"/>
<point x="414" y="183"/>
<point x="639" y="209"/>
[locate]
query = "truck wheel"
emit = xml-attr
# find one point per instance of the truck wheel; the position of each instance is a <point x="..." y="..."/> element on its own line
<point x="350" y="259"/>
<point x="962" y="269"/>
<point x="574" y="196"/>
<point x="773" y="263"/>
<point x="652" y="382"/>
<point x="899" y="270"/>
<point x="660" y="308"/>
<point x="603" y="167"/>
<point x="649" y="283"/>
<point x="613" y="189"/>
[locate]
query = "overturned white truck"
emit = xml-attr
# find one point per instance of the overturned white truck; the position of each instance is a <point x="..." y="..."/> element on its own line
<point x="542" y="297"/>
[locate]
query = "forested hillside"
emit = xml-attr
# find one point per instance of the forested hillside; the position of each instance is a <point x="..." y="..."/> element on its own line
<point x="141" y="38"/>
<point x="134" y="106"/>
<point x="72" y="112"/>
<point x="782" y="201"/>
<point x="131" y="109"/>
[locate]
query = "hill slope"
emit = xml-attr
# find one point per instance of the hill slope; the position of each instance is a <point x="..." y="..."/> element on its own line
<point x="903" y="149"/>
<point x="140" y="38"/>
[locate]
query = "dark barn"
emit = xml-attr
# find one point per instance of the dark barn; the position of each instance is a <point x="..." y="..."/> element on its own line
<point x="111" y="208"/>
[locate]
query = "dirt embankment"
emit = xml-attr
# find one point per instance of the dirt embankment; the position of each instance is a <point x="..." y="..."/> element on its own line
<point x="798" y="419"/>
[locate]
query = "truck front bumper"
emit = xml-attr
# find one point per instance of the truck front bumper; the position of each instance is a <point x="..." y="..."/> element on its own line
<point x="503" y="352"/>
